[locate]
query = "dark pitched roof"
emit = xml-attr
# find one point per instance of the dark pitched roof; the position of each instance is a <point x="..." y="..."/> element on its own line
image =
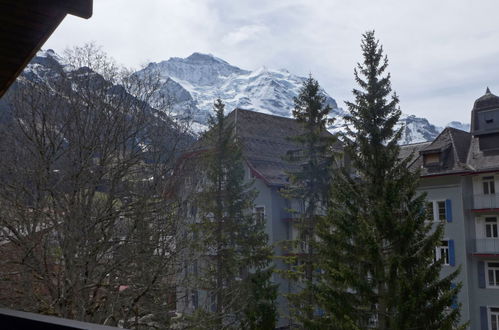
<point x="412" y="149"/>
<point x="265" y="140"/>
<point x="460" y="142"/>
<point x="460" y="153"/>
<point x="480" y="160"/>
<point x="453" y="145"/>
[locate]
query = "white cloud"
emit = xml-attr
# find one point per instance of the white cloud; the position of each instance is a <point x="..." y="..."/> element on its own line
<point x="442" y="53"/>
<point x="244" y="34"/>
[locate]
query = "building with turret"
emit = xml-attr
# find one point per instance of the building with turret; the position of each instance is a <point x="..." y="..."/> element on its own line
<point x="460" y="174"/>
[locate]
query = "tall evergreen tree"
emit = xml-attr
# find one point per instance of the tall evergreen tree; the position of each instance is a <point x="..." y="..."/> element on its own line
<point x="235" y="256"/>
<point x="376" y="251"/>
<point x="309" y="187"/>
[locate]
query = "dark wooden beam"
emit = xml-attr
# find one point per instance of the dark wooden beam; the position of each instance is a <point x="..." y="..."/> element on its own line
<point x="25" y="25"/>
<point x="81" y="8"/>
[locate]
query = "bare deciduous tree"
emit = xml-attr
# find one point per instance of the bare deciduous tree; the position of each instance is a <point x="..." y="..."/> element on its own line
<point x="85" y="226"/>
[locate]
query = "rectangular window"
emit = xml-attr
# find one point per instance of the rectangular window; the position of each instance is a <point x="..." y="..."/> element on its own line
<point x="429" y="212"/>
<point x="435" y="211"/>
<point x="194" y="298"/>
<point x="491" y="227"/>
<point x="494" y="318"/>
<point x="488" y="185"/>
<point x="441" y="210"/>
<point x="213" y="301"/>
<point x="431" y="159"/>
<point x="442" y="251"/>
<point x="492" y="274"/>
<point x="260" y="213"/>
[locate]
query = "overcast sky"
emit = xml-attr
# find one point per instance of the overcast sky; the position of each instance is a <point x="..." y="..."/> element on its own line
<point x="442" y="54"/>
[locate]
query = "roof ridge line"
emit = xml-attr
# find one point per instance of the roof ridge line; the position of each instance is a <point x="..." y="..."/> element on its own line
<point x="454" y="147"/>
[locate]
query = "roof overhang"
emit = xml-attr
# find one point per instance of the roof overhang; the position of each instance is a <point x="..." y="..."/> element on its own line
<point x="425" y="176"/>
<point x="26" y="25"/>
<point x="494" y="210"/>
<point x="486" y="255"/>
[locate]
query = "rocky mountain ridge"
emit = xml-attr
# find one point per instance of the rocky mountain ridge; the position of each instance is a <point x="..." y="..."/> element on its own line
<point x="191" y="85"/>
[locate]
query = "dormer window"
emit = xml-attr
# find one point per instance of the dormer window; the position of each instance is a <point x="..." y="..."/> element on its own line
<point x="431" y="159"/>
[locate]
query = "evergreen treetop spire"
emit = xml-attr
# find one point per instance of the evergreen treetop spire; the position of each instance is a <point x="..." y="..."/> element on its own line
<point x="373" y="115"/>
<point x="376" y="251"/>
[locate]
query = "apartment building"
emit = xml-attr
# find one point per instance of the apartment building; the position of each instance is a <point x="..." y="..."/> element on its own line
<point x="460" y="174"/>
<point x="265" y="140"/>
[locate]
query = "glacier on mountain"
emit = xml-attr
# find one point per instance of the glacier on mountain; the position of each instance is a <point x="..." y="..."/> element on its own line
<point x="192" y="84"/>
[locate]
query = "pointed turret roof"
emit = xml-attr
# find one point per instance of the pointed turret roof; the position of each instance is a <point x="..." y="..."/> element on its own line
<point x="488" y="100"/>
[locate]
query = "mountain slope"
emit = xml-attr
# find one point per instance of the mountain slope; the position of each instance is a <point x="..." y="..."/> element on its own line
<point x="194" y="82"/>
<point x="206" y="77"/>
<point x="191" y="85"/>
<point x="85" y="89"/>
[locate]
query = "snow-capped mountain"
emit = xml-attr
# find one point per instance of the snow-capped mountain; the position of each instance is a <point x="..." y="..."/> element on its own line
<point x="192" y="84"/>
<point x="195" y="82"/>
<point x="459" y="125"/>
<point x="49" y="70"/>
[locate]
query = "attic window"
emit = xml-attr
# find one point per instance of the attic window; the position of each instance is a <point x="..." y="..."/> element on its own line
<point x="431" y="159"/>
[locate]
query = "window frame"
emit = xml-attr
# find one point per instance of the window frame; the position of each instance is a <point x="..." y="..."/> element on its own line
<point x="496" y="274"/>
<point x="446" y="255"/>
<point x="256" y="213"/>
<point x="436" y="210"/>
<point x="494" y="227"/>
<point x="488" y="185"/>
<point x="432" y="159"/>
<point x="490" y="314"/>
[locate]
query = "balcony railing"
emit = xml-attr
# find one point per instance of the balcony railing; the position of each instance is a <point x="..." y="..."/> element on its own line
<point x="487" y="245"/>
<point x="482" y="201"/>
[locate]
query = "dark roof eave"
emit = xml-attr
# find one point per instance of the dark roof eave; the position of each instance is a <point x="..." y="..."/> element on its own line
<point x="461" y="173"/>
<point x="483" y="171"/>
<point x="489" y="210"/>
<point x="486" y="255"/>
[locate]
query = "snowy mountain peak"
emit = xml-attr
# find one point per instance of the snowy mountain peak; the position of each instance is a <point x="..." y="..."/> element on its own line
<point x="204" y="58"/>
<point x="197" y="69"/>
<point x="192" y="84"/>
<point x="205" y="77"/>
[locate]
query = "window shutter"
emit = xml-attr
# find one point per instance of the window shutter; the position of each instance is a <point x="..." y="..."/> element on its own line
<point x="448" y="210"/>
<point x="481" y="274"/>
<point x="452" y="254"/>
<point x="454" y="299"/>
<point x="483" y="318"/>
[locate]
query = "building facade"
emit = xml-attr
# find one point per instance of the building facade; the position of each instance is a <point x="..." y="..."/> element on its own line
<point x="265" y="140"/>
<point x="460" y="175"/>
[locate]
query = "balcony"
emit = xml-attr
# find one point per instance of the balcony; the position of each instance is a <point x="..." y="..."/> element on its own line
<point x="486" y="246"/>
<point x="489" y="201"/>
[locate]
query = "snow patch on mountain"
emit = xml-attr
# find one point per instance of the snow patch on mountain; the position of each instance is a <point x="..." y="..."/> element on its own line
<point x="192" y="84"/>
<point x="206" y="78"/>
<point x="459" y="125"/>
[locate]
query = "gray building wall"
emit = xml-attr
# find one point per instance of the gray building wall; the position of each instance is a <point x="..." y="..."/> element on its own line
<point x="462" y="191"/>
<point x="459" y="189"/>
<point x="451" y="188"/>
<point x="277" y="229"/>
<point x="481" y="297"/>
